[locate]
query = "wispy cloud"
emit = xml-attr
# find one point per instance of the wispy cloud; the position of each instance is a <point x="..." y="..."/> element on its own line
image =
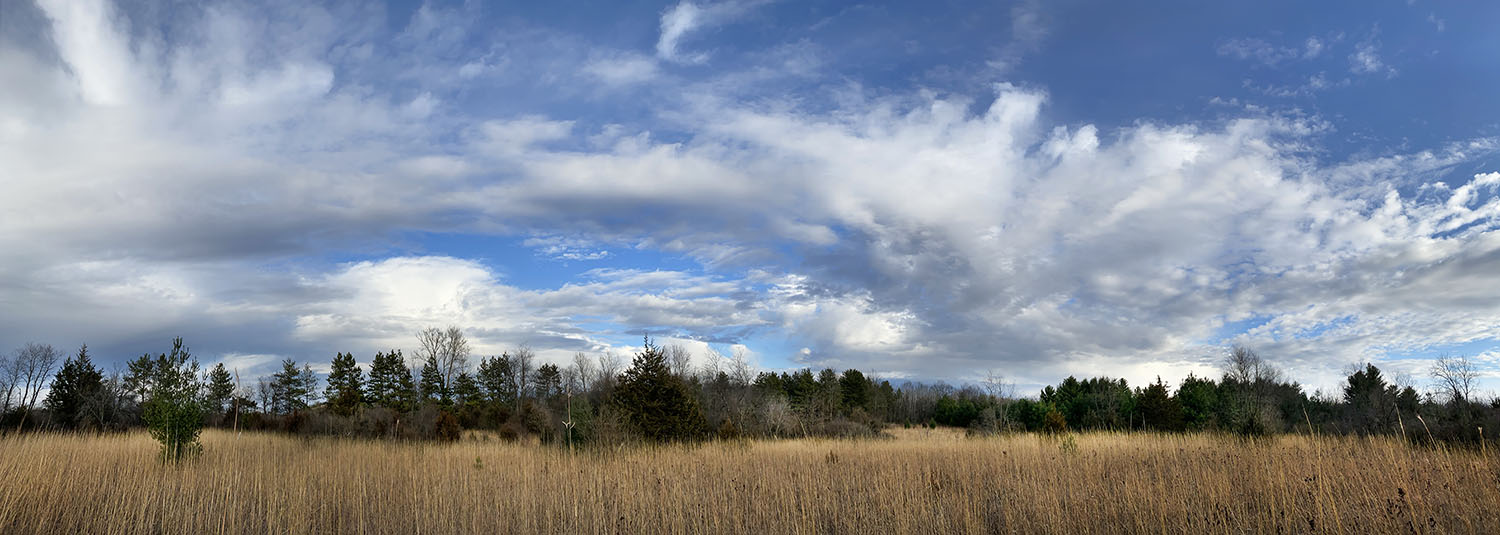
<point x="682" y="20"/>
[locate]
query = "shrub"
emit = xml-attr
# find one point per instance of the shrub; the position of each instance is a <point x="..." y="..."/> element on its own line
<point x="448" y="429"/>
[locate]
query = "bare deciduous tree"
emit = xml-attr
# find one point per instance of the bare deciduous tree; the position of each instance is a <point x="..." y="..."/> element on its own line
<point x="1245" y="366"/>
<point x="679" y="359"/>
<point x="35" y="363"/>
<point x="10" y="375"/>
<point x="521" y="362"/>
<point x="1455" y="377"/>
<point x="583" y="367"/>
<point x="713" y="364"/>
<point x="264" y="391"/>
<point x="997" y="386"/>
<point x="609" y="368"/>
<point x="739" y="366"/>
<point x="448" y="347"/>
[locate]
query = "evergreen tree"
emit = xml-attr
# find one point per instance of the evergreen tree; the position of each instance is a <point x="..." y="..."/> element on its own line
<point x="288" y="389"/>
<point x="655" y="401"/>
<point x="855" y="389"/>
<point x="220" y="388"/>
<point x="384" y="385"/>
<point x="801" y="389"/>
<point x="496" y="381"/>
<point x="548" y="381"/>
<point x="1158" y="409"/>
<point x="466" y="391"/>
<point x="1371" y="402"/>
<point x="75" y="385"/>
<point x="1200" y="402"/>
<point x="432" y="385"/>
<point x="309" y="388"/>
<point x="173" y="410"/>
<point x="139" y="375"/>
<point x="344" y="385"/>
<point x="828" y="397"/>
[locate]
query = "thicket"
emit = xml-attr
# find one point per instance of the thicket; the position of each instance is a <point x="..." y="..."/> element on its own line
<point x="661" y="397"/>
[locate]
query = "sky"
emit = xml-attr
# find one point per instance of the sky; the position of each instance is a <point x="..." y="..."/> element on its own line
<point x="920" y="190"/>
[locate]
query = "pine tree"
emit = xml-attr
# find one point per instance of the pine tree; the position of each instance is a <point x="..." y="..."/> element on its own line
<point x="384" y="381"/>
<point x="466" y="391"/>
<point x="140" y="374"/>
<point x="548" y="381"/>
<point x="495" y="380"/>
<point x="406" y="390"/>
<point x="220" y="388"/>
<point x="855" y="389"/>
<point x="344" y="385"/>
<point x="309" y="387"/>
<point x="288" y="389"/>
<point x="172" y="410"/>
<point x="432" y="385"/>
<point x="75" y="385"/>
<point x="655" y="401"/>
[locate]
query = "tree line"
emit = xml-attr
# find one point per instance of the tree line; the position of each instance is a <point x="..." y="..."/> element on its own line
<point x="440" y="392"/>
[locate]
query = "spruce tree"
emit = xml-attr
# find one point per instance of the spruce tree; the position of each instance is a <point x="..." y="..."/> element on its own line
<point x="344" y="385"/>
<point x="73" y="387"/>
<point x="655" y="401"/>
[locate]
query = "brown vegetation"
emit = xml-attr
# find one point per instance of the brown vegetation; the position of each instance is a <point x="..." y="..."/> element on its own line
<point x="923" y="481"/>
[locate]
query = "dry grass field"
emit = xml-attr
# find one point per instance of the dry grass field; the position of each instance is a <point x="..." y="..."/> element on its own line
<point x="920" y="482"/>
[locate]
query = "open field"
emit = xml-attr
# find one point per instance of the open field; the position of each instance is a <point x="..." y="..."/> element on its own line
<point x="921" y="482"/>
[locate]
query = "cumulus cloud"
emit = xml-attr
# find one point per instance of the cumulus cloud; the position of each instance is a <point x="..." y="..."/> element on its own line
<point x="202" y="188"/>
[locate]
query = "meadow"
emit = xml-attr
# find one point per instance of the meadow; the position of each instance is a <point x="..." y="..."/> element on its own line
<point x="920" y="481"/>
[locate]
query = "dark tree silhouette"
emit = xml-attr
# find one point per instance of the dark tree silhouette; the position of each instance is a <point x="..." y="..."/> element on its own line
<point x="655" y="402"/>
<point x="76" y="384"/>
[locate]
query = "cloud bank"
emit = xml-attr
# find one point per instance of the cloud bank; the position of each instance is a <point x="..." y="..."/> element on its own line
<point x="245" y="180"/>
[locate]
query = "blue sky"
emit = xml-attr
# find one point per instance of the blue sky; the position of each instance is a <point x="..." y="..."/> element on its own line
<point x="920" y="190"/>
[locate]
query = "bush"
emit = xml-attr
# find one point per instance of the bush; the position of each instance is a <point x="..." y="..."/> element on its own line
<point x="728" y="431"/>
<point x="448" y="429"/>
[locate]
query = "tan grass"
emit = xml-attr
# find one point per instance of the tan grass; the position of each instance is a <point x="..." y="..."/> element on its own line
<point x="921" y="482"/>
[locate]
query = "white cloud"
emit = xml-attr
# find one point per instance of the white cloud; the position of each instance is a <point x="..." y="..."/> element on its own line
<point x="908" y="233"/>
<point x="681" y="19"/>
<point x="566" y="248"/>
<point x="1366" y="60"/>
<point x="686" y="18"/>
<point x="90" y="42"/>
<point x="622" y="69"/>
